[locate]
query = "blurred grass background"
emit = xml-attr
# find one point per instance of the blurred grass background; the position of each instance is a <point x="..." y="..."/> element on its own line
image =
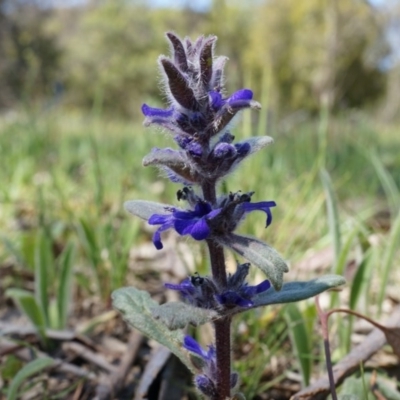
<point x="73" y="79"/>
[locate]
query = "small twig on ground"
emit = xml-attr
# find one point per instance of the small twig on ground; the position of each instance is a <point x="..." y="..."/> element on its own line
<point x="25" y="354"/>
<point x="157" y="361"/>
<point x="7" y="329"/>
<point x="83" y="352"/>
<point x="107" y="390"/>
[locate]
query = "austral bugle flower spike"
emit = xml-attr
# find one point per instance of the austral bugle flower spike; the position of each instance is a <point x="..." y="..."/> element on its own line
<point x="199" y="116"/>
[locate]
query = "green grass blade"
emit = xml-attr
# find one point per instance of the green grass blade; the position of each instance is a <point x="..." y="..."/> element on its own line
<point x="30" y="369"/>
<point x="333" y="215"/>
<point x="324" y="117"/>
<point x="392" y="246"/>
<point x="27" y="303"/>
<point x="345" y="251"/>
<point x="89" y="241"/>
<point x="262" y="128"/>
<point x="97" y="173"/>
<point x="300" y="340"/>
<point x="358" y="280"/>
<point x="43" y="264"/>
<point x="355" y="292"/>
<point x="342" y="260"/>
<point x="65" y="284"/>
<point x="389" y="185"/>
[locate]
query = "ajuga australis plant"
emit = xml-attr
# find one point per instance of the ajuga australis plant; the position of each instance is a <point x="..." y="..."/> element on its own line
<point x="199" y="117"/>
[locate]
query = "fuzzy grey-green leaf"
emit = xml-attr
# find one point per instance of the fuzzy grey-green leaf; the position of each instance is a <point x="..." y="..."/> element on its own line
<point x="177" y="315"/>
<point x="145" y="209"/>
<point x="297" y="291"/>
<point x="177" y="161"/>
<point x="260" y="254"/>
<point x="257" y="143"/>
<point x="135" y="306"/>
<point x="168" y="157"/>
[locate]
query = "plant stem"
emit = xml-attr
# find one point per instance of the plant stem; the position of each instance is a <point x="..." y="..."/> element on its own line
<point x="209" y="192"/>
<point x="323" y="316"/>
<point x="217" y="260"/>
<point x="223" y="350"/>
<point x="222" y="326"/>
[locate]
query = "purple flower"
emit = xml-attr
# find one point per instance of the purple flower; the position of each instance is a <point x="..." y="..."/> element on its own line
<point x="192" y="121"/>
<point x="238" y="292"/>
<point x="206" y="386"/>
<point x="242" y="296"/>
<point x="198" y="111"/>
<point x="224" y="150"/>
<point x="192" y="345"/>
<point x="204" y="220"/>
<point x="193" y="84"/>
<point x="186" y="288"/>
<point x="235" y="206"/>
<point x="206" y="381"/>
<point x="156" y="112"/>
<point x="238" y="99"/>
<point x="198" y="291"/>
<point x="193" y="223"/>
<point x="216" y="100"/>
<point x="203" y="292"/>
<point x="261" y="206"/>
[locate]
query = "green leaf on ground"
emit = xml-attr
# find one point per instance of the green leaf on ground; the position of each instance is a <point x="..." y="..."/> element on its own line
<point x="32" y="368"/>
<point x="26" y="301"/>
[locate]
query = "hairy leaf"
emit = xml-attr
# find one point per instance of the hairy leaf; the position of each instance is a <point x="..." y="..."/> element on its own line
<point x="179" y="51"/>
<point x="228" y="111"/>
<point x="174" y="160"/>
<point x="135" y="306"/>
<point x="297" y="291"/>
<point x="177" y="315"/>
<point x="179" y="87"/>
<point x="218" y="72"/>
<point x="167" y="156"/>
<point x="257" y="143"/>
<point x="206" y="61"/>
<point x="260" y="254"/>
<point x="145" y="209"/>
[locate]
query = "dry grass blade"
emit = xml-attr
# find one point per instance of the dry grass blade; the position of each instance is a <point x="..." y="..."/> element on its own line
<point x="95" y="358"/>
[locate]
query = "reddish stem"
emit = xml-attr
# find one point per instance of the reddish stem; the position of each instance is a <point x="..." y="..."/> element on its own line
<point x="323" y="316"/>
<point x="222" y="326"/>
